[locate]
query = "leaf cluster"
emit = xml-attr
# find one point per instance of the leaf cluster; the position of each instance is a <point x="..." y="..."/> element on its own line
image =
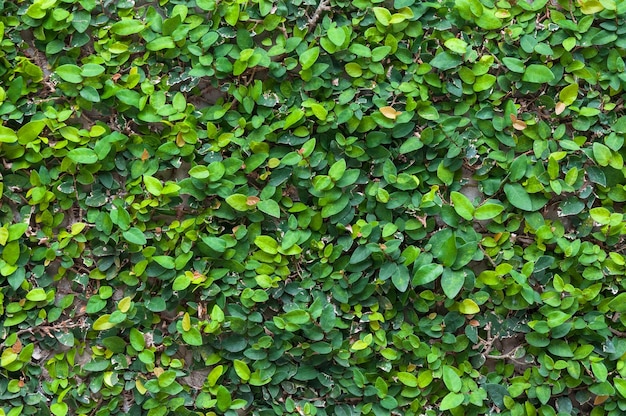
<point x="312" y="208"/>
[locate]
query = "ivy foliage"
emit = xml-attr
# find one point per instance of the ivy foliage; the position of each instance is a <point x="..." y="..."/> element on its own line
<point x="312" y="208"/>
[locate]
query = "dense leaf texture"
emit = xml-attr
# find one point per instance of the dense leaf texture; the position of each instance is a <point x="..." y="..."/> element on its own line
<point x="312" y="207"/>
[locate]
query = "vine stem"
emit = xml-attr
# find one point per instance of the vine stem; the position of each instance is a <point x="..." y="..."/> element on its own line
<point x="323" y="6"/>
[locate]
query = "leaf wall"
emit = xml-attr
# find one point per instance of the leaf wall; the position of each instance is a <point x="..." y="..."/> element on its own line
<point x="291" y="207"/>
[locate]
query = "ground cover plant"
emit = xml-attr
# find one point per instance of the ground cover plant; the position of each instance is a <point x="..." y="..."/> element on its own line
<point x="256" y="207"/>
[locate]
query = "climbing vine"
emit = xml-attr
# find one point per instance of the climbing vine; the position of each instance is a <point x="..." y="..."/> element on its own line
<point x="312" y="207"/>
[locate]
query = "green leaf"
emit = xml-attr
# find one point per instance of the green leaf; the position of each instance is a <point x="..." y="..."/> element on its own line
<point x="514" y="64"/>
<point x="451" y="379"/>
<point x="153" y="185"/>
<point x="11" y="253"/>
<point x="427" y="273"/>
<point x="155" y="304"/>
<point x="293" y="117"/>
<point x="137" y="340"/>
<point x="560" y="348"/>
<point x="602" y="154"/>
<point x="297" y="316"/>
<point x="600" y="371"/>
<point x="26" y="134"/>
<point x="600" y="215"/>
<point x="166" y="378"/>
<point x="360" y="50"/>
<point x="520" y="198"/>
<point x="336" y="35"/>
<point x="199" y="172"/>
<point x="537" y="340"/>
<point x="127" y="27"/>
<point x="81" y="20"/>
<point x="238" y="202"/>
<point x="70" y="73"/>
<point x="462" y="205"/>
<point x="129" y="97"/>
<point x="214" y="375"/>
<point x="158" y="44"/>
<point x="36" y="295"/>
<point x="620" y="386"/>
<point x="538" y="74"/>
<point x="488" y="20"/>
<point x="135" y="236"/>
<point x="224" y="399"/>
<point x="445" y="60"/>
<point x="353" y="69"/>
<point x="362" y="344"/>
<point x="267" y="244"/>
<point x="7" y="135"/>
<point x="17" y="230"/>
<point x="269" y="207"/>
<point x="309" y="57"/>
<point x="400" y="278"/>
<point x="488" y="211"/>
<point x="456" y="45"/>
<point x="91" y="70"/>
<point x="407" y="379"/>
<point x="379" y="53"/>
<point x="336" y="207"/>
<point x="59" y="408"/>
<point x="410" y="145"/>
<point x="166" y="262"/>
<point x="451" y="400"/>
<point x="484" y="82"/>
<point x="452" y="282"/>
<point x="242" y="370"/>
<point x="319" y="111"/>
<point x="383" y="16"/>
<point x="83" y="155"/>
<point x="337" y="170"/>
<point x="232" y="14"/>
<point x="193" y="337"/>
<point x="569" y="94"/>
<point x="181" y="282"/>
<point x="215" y="243"/>
<point x="90" y="94"/>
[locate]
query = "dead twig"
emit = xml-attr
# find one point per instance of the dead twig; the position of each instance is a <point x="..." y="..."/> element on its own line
<point x="322" y="7"/>
<point x="48" y="330"/>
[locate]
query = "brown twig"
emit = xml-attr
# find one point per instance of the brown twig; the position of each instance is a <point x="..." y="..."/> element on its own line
<point x="48" y="329"/>
<point x="323" y="6"/>
<point x="510" y="354"/>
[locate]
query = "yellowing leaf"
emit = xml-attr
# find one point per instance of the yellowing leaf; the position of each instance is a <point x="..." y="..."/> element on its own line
<point x="358" y="346"/>
<point x="103" y="323"/>
<point x="124" y="304"/>
<point x="186" y="322"/>
<point x="362" y="344"/>
<point x="468" y="307"/>
<point x="242" y="370"/>
<point x="569" y="94"/>
<point x="590" y="6"/>
<point x="390" y="112"/>
<point x="140" y="387"/>
<point x="559" y="108"/>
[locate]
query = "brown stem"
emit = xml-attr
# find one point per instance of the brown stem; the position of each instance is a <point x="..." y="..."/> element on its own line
<point x="323" y="6"/>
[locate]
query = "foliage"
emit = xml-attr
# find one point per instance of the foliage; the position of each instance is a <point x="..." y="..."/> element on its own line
<point x="293" y="207"/>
